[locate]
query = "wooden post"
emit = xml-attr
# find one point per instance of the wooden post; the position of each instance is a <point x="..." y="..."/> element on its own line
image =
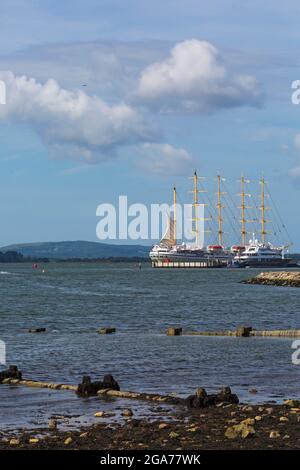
<point x="174" y="331"/>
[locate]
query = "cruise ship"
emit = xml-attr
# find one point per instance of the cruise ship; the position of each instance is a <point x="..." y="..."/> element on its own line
<point x="254" y="253"/>
<point x="263" y="255"/>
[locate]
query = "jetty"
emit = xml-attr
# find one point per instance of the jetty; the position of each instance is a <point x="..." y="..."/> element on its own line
<point x="279" y="278"/>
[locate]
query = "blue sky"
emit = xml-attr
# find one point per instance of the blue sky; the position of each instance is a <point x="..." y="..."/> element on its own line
<point x="227" y="107"/>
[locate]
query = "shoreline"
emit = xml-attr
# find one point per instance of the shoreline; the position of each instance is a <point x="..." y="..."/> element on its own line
<point x="199" y="421"/>
<point x="225" y="426"/>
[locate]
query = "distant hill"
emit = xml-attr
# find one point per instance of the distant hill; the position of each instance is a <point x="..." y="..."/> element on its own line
<point x="78" y="249"/>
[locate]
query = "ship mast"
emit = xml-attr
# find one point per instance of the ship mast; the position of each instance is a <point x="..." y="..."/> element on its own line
<point x="243" y="209"/>
<point x="263" y="210"/>
<point x="174" y="212"/>
<point x="196" y="204"/>
<point x="219" y="206"/>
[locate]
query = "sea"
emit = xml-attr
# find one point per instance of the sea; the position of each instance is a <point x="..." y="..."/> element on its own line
<point x="73" y="300"/>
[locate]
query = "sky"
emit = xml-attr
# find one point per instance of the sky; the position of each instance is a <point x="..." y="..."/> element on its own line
<point x="128" y="97"/>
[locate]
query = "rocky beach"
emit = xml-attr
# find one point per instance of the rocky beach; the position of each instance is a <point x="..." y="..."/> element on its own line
<point x="200" y="421"/>
<point x="224" y="426"/>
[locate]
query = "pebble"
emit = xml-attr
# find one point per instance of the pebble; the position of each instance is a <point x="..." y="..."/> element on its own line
<point x="68" y="441"/>
<point x="283" y="419"/>
<point x="173" y="434"/>
<point x="99" y="414"/>
<point x="292" y="403"/>
<point x="274" y="434"/>
<point x="52" y="424"/>
<point x="163" y="426"/>
<point x="258" y="418"/>
<point x="33" y="440"/>
<point x="14" y="441"/>
<point x="194" y="429"/>
<point x="127" y="412"/>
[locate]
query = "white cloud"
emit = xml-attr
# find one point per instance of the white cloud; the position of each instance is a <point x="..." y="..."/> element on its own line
<point x="164" y="159"/>
<point x="194" y="79"/>
<point x="72" y="121"/>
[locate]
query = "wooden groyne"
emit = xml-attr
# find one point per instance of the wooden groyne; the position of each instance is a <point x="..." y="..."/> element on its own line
<point x="40" y="384"/>
<point x="281" y="278"/>
<point x="241" y="332"/>
<point x="13" y="376"/>
<point x="106" y="392"/>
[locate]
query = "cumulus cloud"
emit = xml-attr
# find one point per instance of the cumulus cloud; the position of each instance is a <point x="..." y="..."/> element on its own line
<point x="164" y="159"/>
<point x="72" y="121"/>
<point x="194" y="79"/>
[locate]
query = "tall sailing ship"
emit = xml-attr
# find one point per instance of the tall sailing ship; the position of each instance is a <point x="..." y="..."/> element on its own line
<point x="253" y="253"/>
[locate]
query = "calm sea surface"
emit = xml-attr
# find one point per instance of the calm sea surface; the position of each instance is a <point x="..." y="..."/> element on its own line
<point x="73" y="300"/>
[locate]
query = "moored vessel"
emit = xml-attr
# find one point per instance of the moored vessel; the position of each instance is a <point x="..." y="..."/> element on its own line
<point x="254" y="253"/>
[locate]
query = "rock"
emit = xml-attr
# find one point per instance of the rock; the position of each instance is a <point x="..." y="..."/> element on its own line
<point x="11" y="373"/>
<point x="286" y="436"/>
<point x="163" y="426"/>
<point x="253" y="390"/>
<point x="247" y="431"/>
<point x="193" y="429"/>
<point x="84" y="434"/>
<point x="127" y="413"/>
<point x="89" y="388"/>
<point x="274" y="434"/>
<point x="33" y="440"/>
<point x="68" y="441"/>
<point x="258" y="418"/>
<point x="14" y="441"/>
<point x="201" y="393"/>
<point x="52" y="423"/>
<point x="247" y="408"/>
<point x="173" y="434"/>
<point x="292" y="403"/>
<point x="106" y="331"/>
<point x="269" y="411"/>
<point x="248" y="421"/>
<point x="226" y="396"/>
<point x="201" y="399"/>
<point x="99" y="414"/>
<point x="174" y="331"/>
<point x="241" y="429"/>
<point x="283" y="419"/>
<point x="36" y="330"/>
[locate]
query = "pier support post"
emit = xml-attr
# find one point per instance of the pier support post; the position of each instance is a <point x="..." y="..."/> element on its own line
<point x="106" y="331"/>
<point x="174" y="331"/>
<point x="243" y="331"/>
